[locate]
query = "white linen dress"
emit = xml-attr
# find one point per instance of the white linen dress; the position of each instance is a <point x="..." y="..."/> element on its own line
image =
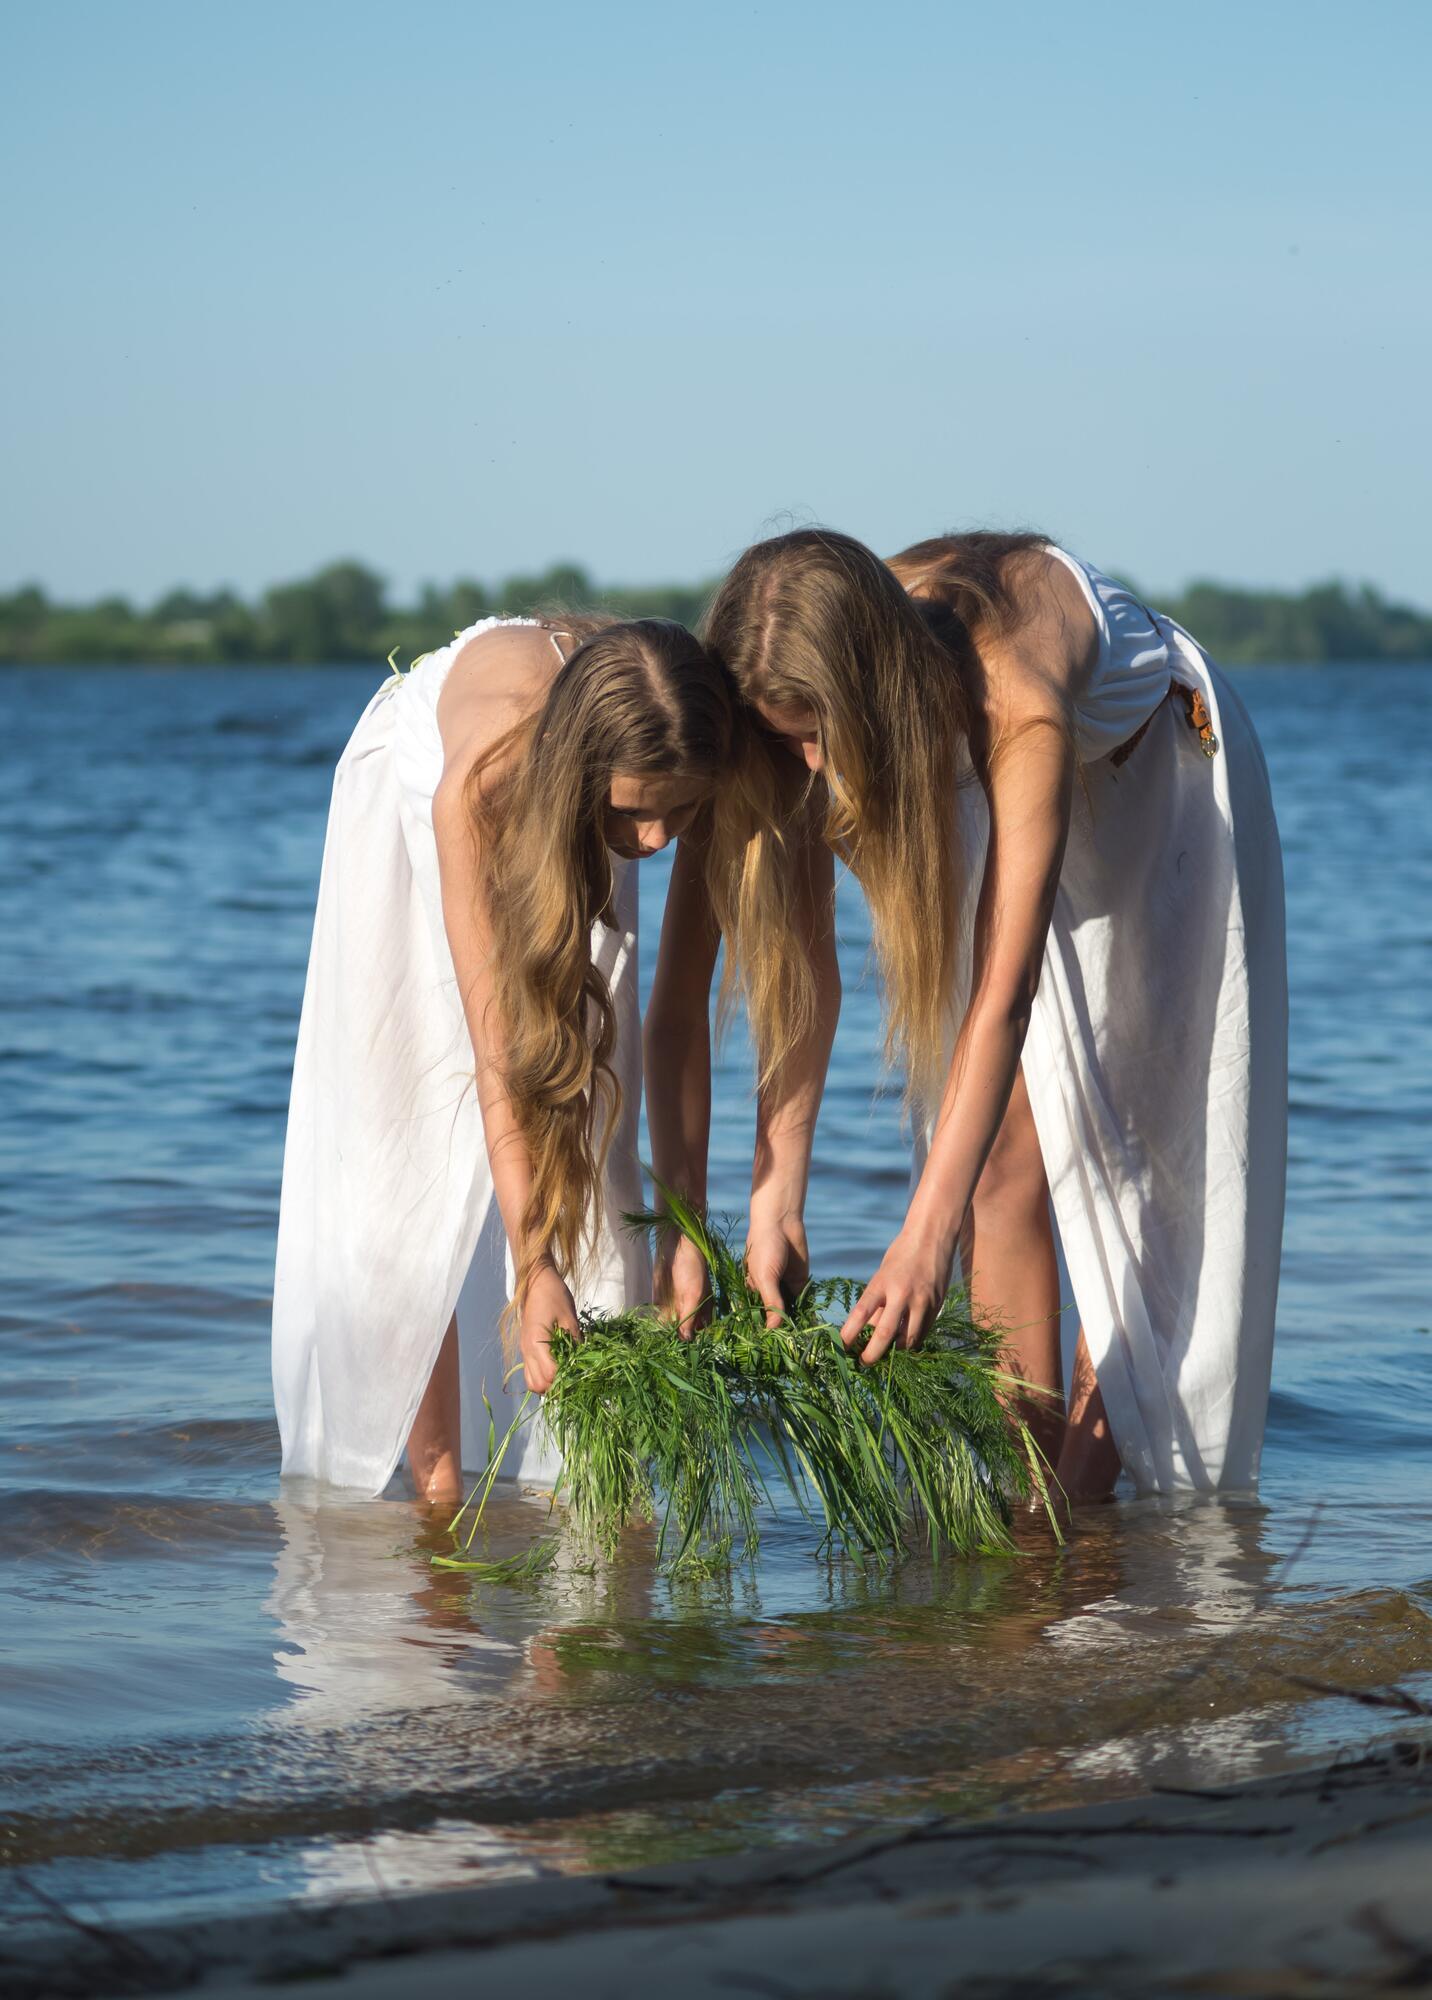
<point x="1156" y="1058"/>
<point x="387" y="1219"/>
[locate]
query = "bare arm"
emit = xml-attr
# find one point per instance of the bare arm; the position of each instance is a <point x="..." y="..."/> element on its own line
<point x="676" y="1048"/>
<point x="676" y="1035"/>
<point x="1028" y="776"/>
<point x="470" y="941"/>
<point x="777" y="1256"/>
<point x="677" y="1044"/>
<point x="473" y="713"/>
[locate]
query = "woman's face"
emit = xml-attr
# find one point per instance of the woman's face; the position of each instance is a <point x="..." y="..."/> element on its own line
<point x="644" y="814"/>
<point x="794" y="729"/>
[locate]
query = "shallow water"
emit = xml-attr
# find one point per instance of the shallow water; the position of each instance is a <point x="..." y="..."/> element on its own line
<point x="216" y="1694"/>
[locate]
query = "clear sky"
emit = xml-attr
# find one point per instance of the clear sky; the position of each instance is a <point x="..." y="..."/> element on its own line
<point x="459" y="288"/>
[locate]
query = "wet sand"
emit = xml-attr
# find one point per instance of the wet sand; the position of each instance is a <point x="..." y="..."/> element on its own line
<point x="1315" y="1884"/>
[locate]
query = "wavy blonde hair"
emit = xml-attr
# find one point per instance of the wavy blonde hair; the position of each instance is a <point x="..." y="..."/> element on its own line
<point x="639" y="699"/>
<point x="815" y="621"/>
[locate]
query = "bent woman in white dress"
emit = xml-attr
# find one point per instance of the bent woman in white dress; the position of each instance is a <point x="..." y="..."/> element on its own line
<point x="1060" y="816"/>
<point x="467" y="1082"/>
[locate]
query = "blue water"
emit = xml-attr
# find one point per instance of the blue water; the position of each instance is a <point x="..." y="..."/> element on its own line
<point x="214" y="1695"/>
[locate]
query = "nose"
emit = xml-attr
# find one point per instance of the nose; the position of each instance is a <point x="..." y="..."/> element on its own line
<point x="654" y="837"/>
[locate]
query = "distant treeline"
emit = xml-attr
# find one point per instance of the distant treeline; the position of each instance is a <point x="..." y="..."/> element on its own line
<point x="343" y="613"/>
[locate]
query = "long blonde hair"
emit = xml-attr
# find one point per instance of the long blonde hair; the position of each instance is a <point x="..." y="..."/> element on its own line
<point x="642" y="699"/>
<point x="815" y="621"/>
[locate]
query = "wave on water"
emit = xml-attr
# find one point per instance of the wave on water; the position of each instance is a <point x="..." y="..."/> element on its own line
<point x="57" y="1525"/>
<point x="131" y="1310"/>
<point x="127" y="1456"/>
<point x="1352" y="1431"/>
<point x="1141" y="1705"/>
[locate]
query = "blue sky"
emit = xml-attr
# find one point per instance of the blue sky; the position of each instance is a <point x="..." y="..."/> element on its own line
<point x="460" y="290"/>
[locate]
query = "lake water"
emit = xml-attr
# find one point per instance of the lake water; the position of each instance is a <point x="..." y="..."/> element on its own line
<point x="213" y="1695"/>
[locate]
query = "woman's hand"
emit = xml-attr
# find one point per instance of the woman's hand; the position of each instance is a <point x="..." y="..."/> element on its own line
<point x="681" y="1283"/>
<point x="548" y="1304"/>
<point x="777" y="1262"/>
<point x="902" y="1299"/>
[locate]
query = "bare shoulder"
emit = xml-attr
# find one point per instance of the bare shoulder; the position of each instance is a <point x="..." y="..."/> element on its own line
<point x="1044" y="660"/>
<point x="510" y="664"/>
<point x="496" y="681"/>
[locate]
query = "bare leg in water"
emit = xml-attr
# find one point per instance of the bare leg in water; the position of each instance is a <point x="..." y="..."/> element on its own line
<point x="435" y="1441"/>
<point x="1008" y="1252"/>
<point x="1088" y="1463"/>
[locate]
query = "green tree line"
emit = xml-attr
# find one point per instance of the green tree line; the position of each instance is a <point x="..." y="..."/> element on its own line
<point x="343" y="614"/>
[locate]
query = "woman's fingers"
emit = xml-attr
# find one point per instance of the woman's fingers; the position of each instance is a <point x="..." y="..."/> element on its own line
<point x="681" y="1288"/>
<point x="863" y="1313"/>
<point x="919" y="1317"/>
<point x="887" y="1330"/>
<point x="794" y="1277"/>
<point x="539" y="1368"/>
<point x="701" y="1311"/>
<point x="765" y="1278"/>
<point x="693" y="1298"/>
<point x="897" y="1315"/>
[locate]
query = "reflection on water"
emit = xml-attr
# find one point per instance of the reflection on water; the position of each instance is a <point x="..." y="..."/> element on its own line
<point x="606" y="1715"/>
<point x="214" y="1692"/>
<point x="356" y="1638"/>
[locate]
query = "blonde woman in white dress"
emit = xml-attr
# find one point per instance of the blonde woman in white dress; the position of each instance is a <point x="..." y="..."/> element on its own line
<point x="467" y="1083"/>
<point x="1060" y="815"/>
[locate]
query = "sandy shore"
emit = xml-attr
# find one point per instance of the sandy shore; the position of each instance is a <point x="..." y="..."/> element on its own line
<point x="1317" y="1884"/>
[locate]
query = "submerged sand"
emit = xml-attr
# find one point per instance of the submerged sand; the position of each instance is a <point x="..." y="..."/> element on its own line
<point x="1314" y="1884"/>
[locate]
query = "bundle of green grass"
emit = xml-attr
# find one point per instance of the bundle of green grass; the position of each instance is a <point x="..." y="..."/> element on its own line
<point x="700" y="1435"/>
